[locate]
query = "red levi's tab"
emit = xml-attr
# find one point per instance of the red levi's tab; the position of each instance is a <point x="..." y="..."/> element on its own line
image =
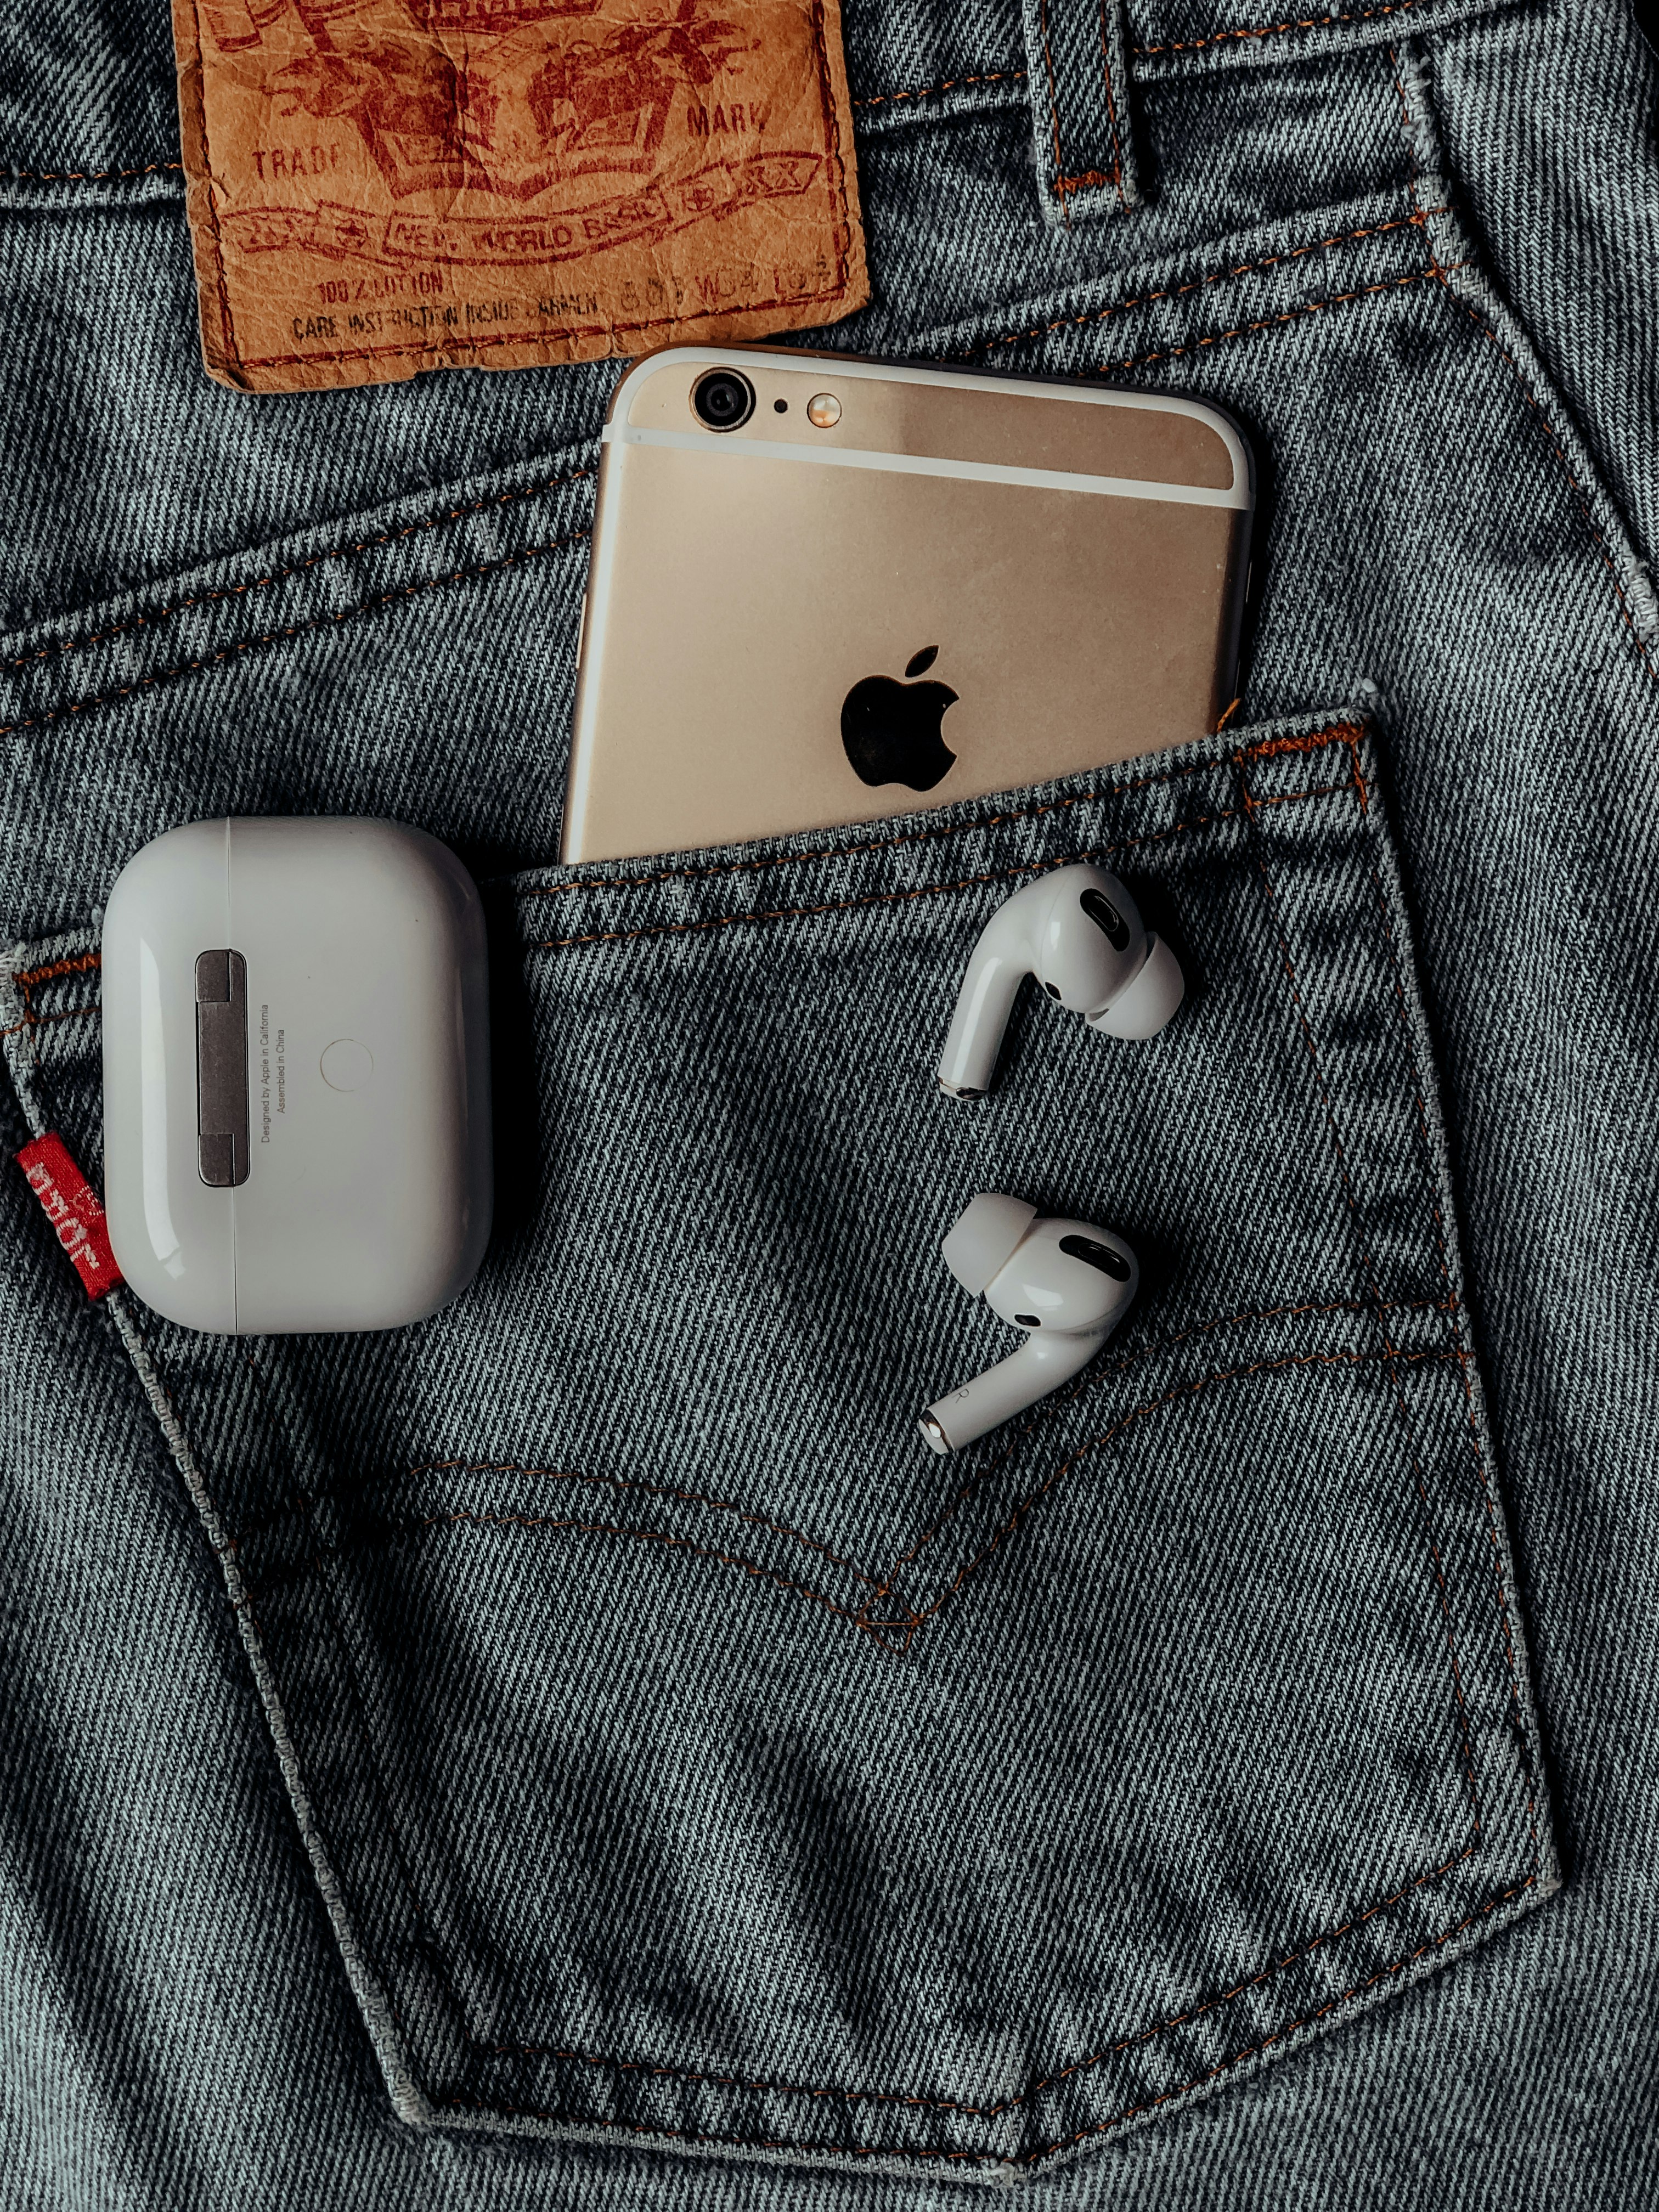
<point x="73" y="1209"/>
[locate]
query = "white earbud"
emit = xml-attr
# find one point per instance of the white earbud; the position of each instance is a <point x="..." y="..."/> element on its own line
<point x="1079" y="932"/>
<point x="1066" y="1283"/>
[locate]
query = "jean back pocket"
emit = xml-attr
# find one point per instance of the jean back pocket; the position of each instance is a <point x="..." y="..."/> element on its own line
<point x="684" y="1751"/>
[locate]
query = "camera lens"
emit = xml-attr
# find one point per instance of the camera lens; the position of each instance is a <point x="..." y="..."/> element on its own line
<point x="723" y="400"/>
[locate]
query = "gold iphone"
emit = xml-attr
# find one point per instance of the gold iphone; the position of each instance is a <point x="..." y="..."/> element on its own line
<point x="827" y="590"/>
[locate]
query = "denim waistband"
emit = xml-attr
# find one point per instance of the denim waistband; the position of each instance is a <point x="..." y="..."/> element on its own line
<point x="88" y="107"/>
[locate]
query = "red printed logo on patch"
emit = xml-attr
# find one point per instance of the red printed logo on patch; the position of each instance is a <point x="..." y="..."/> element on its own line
<point x="379" y="186"/>
<point x="75" y="1211"/>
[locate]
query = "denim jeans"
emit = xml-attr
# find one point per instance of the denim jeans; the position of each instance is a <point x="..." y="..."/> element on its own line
<point x="583" y="1750"/>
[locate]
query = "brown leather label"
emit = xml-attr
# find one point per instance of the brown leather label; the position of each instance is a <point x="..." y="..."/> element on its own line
<point x="378" y="186"/>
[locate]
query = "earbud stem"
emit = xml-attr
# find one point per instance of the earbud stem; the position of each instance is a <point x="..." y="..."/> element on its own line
<point x="999" y="965"/>
<point x="1042" y="1365"/>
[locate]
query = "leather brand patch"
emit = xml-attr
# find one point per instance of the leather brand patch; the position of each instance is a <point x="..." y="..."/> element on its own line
<point x="73" y="1209"/>
<point x="379" y="186"/>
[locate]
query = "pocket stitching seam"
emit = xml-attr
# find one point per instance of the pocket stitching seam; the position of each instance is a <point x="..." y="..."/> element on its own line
<point x="1349" y="735"/>
<point x="1464" y="1355"/>
<point x="392" y="1532"/>
<point x="60" y="647"/>
<point x="1363" y="1242"/>
<point x="1028" y="2157"/>
<point x="1489" y="1905"/>
<point x="1274" y="30"/>
<point x="949" y="84"/>
<point x="1417" y="220"/>
<point x="295" y="629"/>
<point x="1011" y="2104"/>
<point x="1392" y="1358"/>
<point x="382" y="1790"/>
<point x="927" y="835"/>
<point x="1056" y="182"/>
<point x="250" y="1532"/>
<point x="926" y="890"/>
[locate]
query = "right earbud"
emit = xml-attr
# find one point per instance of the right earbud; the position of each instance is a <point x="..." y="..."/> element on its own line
<point x="1066" y="1283"/>
<point x="1079" y="932"/>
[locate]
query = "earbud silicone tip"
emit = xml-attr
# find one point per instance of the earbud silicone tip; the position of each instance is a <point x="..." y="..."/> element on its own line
<point x="988" y="1233"/>
<point x="1150" y="1000"/>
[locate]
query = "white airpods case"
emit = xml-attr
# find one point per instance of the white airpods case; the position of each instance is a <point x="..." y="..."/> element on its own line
<point x="297" y="1075"/>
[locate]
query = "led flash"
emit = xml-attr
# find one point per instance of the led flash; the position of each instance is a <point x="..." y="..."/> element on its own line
<point x="824" y="411"/>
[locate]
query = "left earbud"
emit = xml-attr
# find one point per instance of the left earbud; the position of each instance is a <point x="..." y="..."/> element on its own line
<point x="1066" y="1283"/>
<point x="1079" y="932"/>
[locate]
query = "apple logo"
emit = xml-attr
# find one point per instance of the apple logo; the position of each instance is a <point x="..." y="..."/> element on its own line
<point x="891" y="730"/>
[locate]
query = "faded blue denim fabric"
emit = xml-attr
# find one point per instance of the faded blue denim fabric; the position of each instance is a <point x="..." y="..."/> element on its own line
<point x="584" y="1750"/>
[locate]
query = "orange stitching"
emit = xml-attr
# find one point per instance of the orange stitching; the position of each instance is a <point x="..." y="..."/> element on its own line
<point x="920" y="890"/>
<point x="295" y="629"/>
<point x="1395" y="1362"/>
<point x="925" y="835"/>
<point x="1060" y="182"/>
<point x="1163" y="1344"/>
<point x="1111" y="110"/>
<point x="1272" y="30"/>
<point x="339" y="1495"/>
<point x="1025" y="2096"/>
<point x="26" y="978"/>
<point x="1463" y="1358"/>
<point x="87" y="176"/>
<point x="1044" y="2150"/>
<point x="609" y="1482"/>
<point x="1350" y="733"/>
<point x="1200" y="283"/>
<point x="951" y="84"/>
<point x="62" y="646"/>
<point x="33" y="1021"/>
<point x="1347" y="733"/>
<point x="1266" y="322"/>
<point x="911" y="1622"/>
<point x="393" y="1530"/>
<point x="1086" y="179"/>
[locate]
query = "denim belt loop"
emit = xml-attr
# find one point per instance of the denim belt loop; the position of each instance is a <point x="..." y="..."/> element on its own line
<point x="1078" y="76"/>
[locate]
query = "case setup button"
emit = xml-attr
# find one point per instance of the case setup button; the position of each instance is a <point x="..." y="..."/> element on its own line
<point x="221" y="1137"/>
<point x="346" y="1065"/>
